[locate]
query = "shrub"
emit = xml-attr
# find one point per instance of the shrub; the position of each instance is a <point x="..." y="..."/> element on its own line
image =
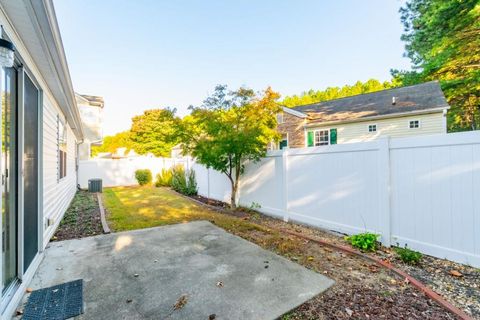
<point x="143" y="176"/>
<point x="364" y="241"/>
<point x="408" y="256"/>
<point x="184" y="182"/>
<point x="179" y="182"/>
<point x="191" y="189"/>
<point x="164" y="178"/>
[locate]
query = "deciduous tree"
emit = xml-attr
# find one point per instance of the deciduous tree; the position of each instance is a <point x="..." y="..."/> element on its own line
<point x="230" y="129"/>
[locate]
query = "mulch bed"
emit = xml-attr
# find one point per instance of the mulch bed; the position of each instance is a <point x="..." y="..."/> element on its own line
<point x="362" y="289"/>
<point x="82" y="218"/>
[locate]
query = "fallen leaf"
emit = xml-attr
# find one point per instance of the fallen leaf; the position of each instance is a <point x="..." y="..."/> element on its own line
<point x="181" y="302"/>
<point x="219" y="284"/>
<point x="212" y="316"/>
<point x="29" y="290"/>
<point x="19" y="312"/>
<point x="136" y="275"/>
<point x="456" y="273"/>
<point x="310" y="258"/>
<point x="129" y="300"/>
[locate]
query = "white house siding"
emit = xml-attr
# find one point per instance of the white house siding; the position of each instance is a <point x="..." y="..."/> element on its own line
<point x="433" y="123"/>
<point x="57" y="194"/>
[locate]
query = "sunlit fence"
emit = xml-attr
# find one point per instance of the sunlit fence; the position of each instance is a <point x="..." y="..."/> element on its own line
<point x="423" y="192"/>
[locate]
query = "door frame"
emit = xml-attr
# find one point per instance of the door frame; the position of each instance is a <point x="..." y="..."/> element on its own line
<point x="23" y="71"/>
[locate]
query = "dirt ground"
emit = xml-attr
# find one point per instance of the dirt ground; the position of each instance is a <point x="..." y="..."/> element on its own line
<point x="82" y="218"/>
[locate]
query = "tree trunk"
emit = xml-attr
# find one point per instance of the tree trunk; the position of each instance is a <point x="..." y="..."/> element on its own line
<point x="233" y="196"/>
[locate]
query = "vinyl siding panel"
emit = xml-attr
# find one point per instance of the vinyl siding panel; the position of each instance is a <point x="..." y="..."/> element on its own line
<point x="396" y="127"/>
<point x="57" y="194"/>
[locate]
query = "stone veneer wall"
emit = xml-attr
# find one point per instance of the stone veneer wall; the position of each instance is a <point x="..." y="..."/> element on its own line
<point x="294" y="126"/>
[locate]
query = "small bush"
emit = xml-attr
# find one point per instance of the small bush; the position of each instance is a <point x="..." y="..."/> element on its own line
<point x="364" y="241"/>
<point x="408" y="256"/>
<point x="179" y="182"/>
<point x="164" y="178"/>
<point x="184" y="182"/>
<point x="143" y="176"/>
<point x="191" y="189"/>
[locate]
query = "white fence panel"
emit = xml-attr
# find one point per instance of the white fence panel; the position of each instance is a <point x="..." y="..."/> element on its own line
<point x="121" y="172"/>
<point x="435" y="195"/>
<point x="263" y="184"/>
<point x="336" y="187"/>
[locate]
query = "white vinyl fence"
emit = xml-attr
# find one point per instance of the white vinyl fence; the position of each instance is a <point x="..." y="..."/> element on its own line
<point x="121" y="172"/>
<point x="423" y="192"/>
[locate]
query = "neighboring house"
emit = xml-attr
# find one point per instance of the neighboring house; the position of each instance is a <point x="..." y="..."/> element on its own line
<point x="41" y="128"/>
<point x="399" y="112"/>
<point x="91" y="112"/>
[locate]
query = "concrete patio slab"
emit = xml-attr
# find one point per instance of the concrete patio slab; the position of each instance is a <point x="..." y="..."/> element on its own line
<point x="141" y="275"/>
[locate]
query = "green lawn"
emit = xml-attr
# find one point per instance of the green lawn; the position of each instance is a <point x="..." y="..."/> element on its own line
<point x="132" y="208"/>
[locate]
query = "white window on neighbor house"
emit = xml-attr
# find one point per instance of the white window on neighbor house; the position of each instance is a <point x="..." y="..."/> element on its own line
<point x="61" y="147"/>
<point x="279" y="117"/>
<point x="372" y="128"/>
<point x="414" y="124"/>
<point x="321" y="138"/>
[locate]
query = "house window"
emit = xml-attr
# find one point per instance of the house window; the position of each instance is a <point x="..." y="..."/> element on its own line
<point x="321" y="138"/>
<point x="62" y="147"/>
<point x="279" y="117"/>
<point x="372" y="128"/>
<point x="414" y="124"/>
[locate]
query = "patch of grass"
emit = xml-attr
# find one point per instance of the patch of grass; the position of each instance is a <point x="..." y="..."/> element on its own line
<point x="408" y="256"/>
<point x="132" y="208"/>
<point x="364" y="241"/>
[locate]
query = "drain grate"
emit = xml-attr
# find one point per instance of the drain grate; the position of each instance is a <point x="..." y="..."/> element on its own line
<point x="59" y="302"/>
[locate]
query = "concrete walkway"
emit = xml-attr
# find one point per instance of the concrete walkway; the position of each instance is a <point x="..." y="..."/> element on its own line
<point x="141" y="275"/>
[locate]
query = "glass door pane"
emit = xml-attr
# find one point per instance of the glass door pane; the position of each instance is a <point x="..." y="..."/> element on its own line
<point x="9" y="176"/>
<point x="30" y="169"/>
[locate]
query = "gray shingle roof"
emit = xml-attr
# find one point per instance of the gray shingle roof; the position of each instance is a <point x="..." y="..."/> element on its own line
<point x="421" y="97"/>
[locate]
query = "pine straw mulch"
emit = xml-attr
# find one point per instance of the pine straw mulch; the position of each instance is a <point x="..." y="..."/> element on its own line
<point x="82" y="218"/>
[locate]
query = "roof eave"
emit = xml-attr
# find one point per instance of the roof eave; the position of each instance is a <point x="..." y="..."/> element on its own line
<point x="381" y="117"/>
<point x="294" y="112"/>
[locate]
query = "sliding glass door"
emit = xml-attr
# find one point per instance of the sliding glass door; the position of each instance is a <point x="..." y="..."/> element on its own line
<point x="9" y="171"/>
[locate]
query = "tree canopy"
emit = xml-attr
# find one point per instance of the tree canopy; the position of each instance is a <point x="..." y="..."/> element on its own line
<point x="155" y="132"/>
<point x="112" y="143"/>
<point x="231" y="128"/>
<point x="443" y="42"/>
<point x="314" y="96"/>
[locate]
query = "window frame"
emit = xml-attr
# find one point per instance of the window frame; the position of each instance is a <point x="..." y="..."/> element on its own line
<point x="315" y="137"/>
<point x="286" y="139"/>
<point x="372" y="125"/>
<point x="410" y="124"/>
<point x="62" y="149"/>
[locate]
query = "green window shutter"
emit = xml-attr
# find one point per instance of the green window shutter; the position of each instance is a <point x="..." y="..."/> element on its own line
<point x="283" y="144"/>
<point x="310" y="138"/>
<point x="333" y="136"/>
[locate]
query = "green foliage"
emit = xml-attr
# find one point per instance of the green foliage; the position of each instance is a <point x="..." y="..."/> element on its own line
<point x="184" y="181"/>
<point x="408" y="256"/>
<point x="229" y="129"/>
<point x="164" y="178"/>
<point x="112" y="143"/>
<point x="143" y="176"/>
<point x="443" y="43"/>
<point x="155" y="132"/>
<point x="255" y="206"/>
<point x="330" y="93"/>
<point x="364" y="241"/>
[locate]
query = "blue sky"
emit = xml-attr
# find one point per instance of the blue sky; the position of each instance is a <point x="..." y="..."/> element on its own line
<point x="148" y="54"/>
